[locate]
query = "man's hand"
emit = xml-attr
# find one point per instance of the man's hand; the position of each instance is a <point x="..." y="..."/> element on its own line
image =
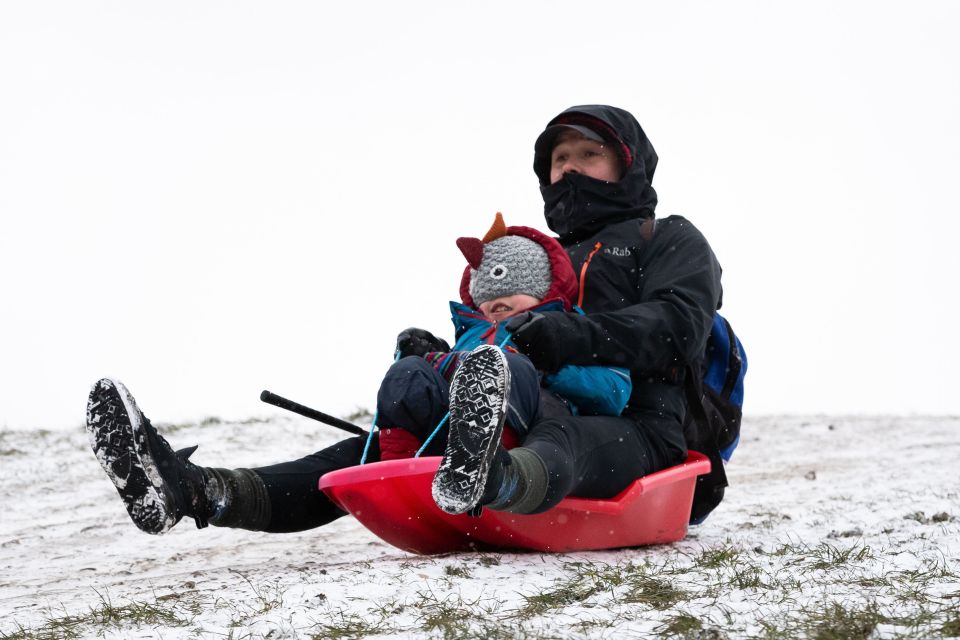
<point x="538" y="338"/>
<point x="418" y="342"/>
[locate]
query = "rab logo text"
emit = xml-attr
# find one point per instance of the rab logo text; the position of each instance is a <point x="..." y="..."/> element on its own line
<point x="620" y="252"/>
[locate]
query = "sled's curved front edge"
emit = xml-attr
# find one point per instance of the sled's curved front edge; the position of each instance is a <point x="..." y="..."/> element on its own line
<point x="392" y="499"/>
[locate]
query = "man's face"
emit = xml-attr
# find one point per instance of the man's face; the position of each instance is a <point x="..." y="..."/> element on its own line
<point x="573" y="153"/>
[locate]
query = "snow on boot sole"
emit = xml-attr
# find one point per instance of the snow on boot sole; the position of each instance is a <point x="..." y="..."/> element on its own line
<point x="478" y="406"/>
<point x="115" y="427"/>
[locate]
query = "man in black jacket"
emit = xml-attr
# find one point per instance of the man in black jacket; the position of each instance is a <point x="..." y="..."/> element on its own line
<point x="649" y="299"/>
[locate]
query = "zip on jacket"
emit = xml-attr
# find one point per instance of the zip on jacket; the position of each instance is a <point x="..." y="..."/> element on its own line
<point x="583" y="272"/>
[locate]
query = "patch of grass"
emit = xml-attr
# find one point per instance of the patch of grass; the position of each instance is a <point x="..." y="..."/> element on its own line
<point x="831" y="621"/>
<point x="921" y="517"/>
<point x="565" y="592"/>
<point x="748" y="578"/>
<point x="450" y="615"/>
<point x="135" y="614"/>
<point x="587" y="625"/>
<point x="266" y="596"/>
<point x="455" y="571"/>
<point x="45" y="632"/>
<point x="344" y="626"/>
<point x="826" y="556"/>
<point x="627" y="583"/>
<point x="653" y="592"/>
<point x="717" y="558"/>
<point x="856" y="532"/>
<point x="951" y="628"/>
<point x="487" y="629"/>
<point x="682" y="625"/>
<point x="838" y="622"/>
<point x="604" y="575"/>
<point x="789" y="549"/>
<point x="872" y="582"/>
<point x="387" y="609"/>
<point x="919" y="619"/>
<point x="489" y="561"/>
<point x="22" y="633"/>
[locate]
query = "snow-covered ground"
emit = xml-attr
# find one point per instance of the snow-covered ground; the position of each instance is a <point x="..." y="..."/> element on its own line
<point x="833" y="527"/>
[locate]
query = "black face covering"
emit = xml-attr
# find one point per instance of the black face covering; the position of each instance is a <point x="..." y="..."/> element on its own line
<point x="579" y="205"/>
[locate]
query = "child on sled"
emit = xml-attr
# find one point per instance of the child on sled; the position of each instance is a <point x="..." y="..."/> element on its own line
<point x="509" y="271"/>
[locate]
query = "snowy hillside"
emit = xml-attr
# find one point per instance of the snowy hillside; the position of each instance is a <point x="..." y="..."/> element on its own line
<point x="834" y="527"/>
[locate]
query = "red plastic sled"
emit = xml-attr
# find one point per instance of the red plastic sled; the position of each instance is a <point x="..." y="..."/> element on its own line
<point x="393" y="500"/>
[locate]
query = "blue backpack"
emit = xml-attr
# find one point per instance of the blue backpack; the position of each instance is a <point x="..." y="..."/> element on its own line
<point x="715" y="402"/>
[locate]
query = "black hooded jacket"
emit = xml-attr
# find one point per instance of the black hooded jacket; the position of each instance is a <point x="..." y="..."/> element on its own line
<point x="649" y="290"/>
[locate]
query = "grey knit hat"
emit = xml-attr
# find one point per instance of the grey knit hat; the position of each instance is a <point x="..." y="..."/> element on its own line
<point x="510" y="265"/>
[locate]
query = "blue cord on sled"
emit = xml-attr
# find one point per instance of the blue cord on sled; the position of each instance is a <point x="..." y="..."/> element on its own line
<point x="436" y="429"/>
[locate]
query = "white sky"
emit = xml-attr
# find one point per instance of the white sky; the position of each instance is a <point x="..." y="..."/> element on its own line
<point x="210" y="199"/>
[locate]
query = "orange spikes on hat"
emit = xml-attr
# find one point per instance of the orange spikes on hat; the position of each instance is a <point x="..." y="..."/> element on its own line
<point x="498" y="230"/>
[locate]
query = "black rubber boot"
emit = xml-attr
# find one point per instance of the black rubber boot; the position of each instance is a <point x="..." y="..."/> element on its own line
<point x="158" y="485"/>
<point x="478" y="406"/>
<point x="237" y="498"/>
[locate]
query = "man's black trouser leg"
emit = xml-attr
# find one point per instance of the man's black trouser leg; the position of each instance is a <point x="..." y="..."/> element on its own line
<point x="593" y="457"/>
<point x="296" y="501"/>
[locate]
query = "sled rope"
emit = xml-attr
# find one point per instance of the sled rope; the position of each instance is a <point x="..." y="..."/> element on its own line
<point x="436" y="430"/>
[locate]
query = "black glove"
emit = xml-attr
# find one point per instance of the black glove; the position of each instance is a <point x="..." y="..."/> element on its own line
<point x="538" y="338"/>
<point x="419" y="342"/>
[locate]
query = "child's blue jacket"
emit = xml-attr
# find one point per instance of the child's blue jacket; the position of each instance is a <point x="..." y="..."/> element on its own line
<point x="594" y="390"/>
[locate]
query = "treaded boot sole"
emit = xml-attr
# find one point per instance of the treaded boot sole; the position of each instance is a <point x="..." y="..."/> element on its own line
<point x="117" y="436"/>
<point x="478" y="406"/>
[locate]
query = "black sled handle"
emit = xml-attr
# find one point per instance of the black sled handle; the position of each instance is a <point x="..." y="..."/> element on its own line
<point x="290" y="405"/>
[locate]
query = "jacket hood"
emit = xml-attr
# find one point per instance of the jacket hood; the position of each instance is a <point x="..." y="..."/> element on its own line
<point x="563" y="279"/>
<point x="579" y="205"/>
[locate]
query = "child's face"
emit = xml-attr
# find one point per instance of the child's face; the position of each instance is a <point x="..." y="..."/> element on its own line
<point x="573" y="153"/>
<point x="505" y="306"/>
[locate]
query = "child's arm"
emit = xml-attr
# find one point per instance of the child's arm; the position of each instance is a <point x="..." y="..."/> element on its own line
<point x="595" y="391"/>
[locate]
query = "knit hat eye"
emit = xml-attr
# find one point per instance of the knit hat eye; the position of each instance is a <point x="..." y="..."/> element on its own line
<point x="499" y="271"/>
